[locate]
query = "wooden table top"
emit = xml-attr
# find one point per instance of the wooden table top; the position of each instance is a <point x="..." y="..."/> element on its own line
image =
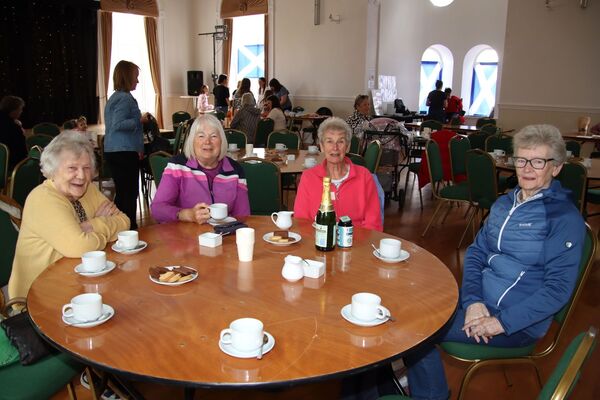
<point x="285" y="166"/>
<point x="171" y="334"/>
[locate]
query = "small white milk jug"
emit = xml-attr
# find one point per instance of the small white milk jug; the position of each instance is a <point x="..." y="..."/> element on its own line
<point x="293" y="270"/>
<point x="284" y="219"/>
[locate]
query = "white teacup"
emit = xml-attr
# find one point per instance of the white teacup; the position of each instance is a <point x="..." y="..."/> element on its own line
<point x="244" y="334"/>
<point x="218" y="211"/>
<point x="280" y="146"/>
<point x="569" y="154"/>
<point x="367" y="307"/>
<point x="310" y="162"/>
<point x="390" y="248"/>
<point x="313" y="149"/>
<point x="283" y="220"/>
<point x="249" y="149"/>
<point x="127" y="239"/>
<point x="232" y="147"/>
<point x="93" y="261"/>
<point x="84" y="307"/>
<point x="499" y="153"/>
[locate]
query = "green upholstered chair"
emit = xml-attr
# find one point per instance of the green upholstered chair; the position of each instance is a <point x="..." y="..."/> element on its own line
<point x="413" y="163"/>
<point x="39" y="139"/>
<point x="431" y="124"/>
<point x="573" y="176"/>
<point x="357" y="159"/>
<point x="25" y="177"/>
<point x="574" y="147"/>
<point x="181" y="133"/>
<point x="46" y="128"/>
<point x="485" y="121"/>
<point x="35" y="152"/>
<point x="4" y="156"/>
<point x="457" y="148"/>
<point x="354" y="145"/>
<point x="237" y="137"/>
<point x="478" y="139"/>
<point x="9" y="234"/>
<point x="500" y="142"/>
<point x="490" y="129"/>
<point x="158" y="162"/>
<point x="264" y="185"/>
<point x="372" y="156"/>
<point x="263" y="129"/>
<point x="290" y="139"/>
<point x="445" y="195"/>
<point x="178" y="117"/>
<point x="565" y="375"/>
<point x="220" y="115"/>
<point x="481" y="355"/>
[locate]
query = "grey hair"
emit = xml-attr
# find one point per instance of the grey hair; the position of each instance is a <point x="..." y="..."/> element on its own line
<point x="334" y="124"/>
<point x="533" y="136"/>
<point x="247" y="99"/>
<point x="67" y="141"/>
<point x="198" y="126"/>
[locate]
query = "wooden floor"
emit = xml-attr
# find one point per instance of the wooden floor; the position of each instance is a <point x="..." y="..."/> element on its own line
<point x="489" y="384"/>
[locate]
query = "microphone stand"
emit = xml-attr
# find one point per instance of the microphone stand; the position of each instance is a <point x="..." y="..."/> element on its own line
<point x="220" y="33"/>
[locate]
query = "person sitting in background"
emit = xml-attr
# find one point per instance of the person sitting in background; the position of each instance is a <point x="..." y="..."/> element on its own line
<point x="66" y="215"/>
<point x="353" y="189"/>
<point x="246" y="119"/>
<point x="361" y="116"/>
<point x="11" y="131"/>
<point x="242" y="90"/>
<point x="454" y="107"/>
<point x="522" y="267"/>
<point x="262" y="87"/>
<point x="261" y="105"/>
<point x="273" y="110"/>
<point x="201" y="176"/>
<point x="203" y="100"/>
<point x="436" y="101"/>
<point x="221" y="92"/>
<point x="282" y="94"/>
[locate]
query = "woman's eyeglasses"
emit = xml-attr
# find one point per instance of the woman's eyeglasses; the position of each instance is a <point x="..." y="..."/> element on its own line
<point x="536" y="163"/>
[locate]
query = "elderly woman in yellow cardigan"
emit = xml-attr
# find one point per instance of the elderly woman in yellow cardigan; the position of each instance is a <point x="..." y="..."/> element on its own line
<point x="66" y="215"/>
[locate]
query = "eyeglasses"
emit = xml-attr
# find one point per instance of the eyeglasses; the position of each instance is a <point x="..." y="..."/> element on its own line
<point x="536" y="163"/>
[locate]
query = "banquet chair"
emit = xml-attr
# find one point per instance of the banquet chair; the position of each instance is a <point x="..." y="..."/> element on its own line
<point x="500" y="142"/>
<point x="46" y="128"/>
<point x="357" y="159"/>
<point x="372" y="156"/>
<point x="183" y="130"/>
<point x="4" y="156"/>
<point x="10" y="217"/>
<point x="565" y="375"/>
<point x="478" y="139"/>
<point x="35" y="152"/>
<point x="179" y="117"/>
<point x="574" y="147"/>
<point x="264" y="185"/>
<point x="413" y="165"/>
<point x="458" y="147"/>
<point x="290" y="139"/>
<point x="263" y="129"/>
<point x="573" y="176"/>
<point x="25" y="177"/>
<point x="485" y="121"/>
<point x="158" y="162"/>
<point x="39" y="139"/>
<point x="447" y="194"/>
<point x="354" y="145"/>
<point x="490" y="129"/>
<point x="237" y="137"/>
<point x="480" y="355"/>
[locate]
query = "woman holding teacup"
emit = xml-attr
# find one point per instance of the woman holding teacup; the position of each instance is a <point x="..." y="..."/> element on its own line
<point x="65" y="216"/>
<point x="201" y="176"/>
<point x="354" y="192"/>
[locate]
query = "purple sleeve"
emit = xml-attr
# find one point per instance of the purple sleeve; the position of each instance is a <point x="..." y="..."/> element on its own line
<point x="165" y="204"/>
<point x="241" y="206"/>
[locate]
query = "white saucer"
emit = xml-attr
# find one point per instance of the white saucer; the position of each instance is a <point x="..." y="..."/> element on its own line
<point x="214" y="222"/>
<point x="232" y="351"/>
<point x="194" y="276"/>
<point x="348" y="317"/>
<point x="140" y="246"/>
<point x="404" y="255"/>
<point x="107" y="313"/>
<point x="293" y="235"/>
<point x="109" y="267"/>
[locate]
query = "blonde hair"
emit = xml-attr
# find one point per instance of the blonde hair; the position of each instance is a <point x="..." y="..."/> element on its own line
<point x="123" y="75"/>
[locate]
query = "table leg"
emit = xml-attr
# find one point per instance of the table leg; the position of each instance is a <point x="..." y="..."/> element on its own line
<point x="188" y="393"/>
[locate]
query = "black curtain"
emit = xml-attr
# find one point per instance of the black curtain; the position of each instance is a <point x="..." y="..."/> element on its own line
<point x="48" y="56"/>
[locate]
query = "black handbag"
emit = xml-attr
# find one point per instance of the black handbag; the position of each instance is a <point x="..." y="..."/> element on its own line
<point x="23" y="336"/>
<point x="229" y="227"/>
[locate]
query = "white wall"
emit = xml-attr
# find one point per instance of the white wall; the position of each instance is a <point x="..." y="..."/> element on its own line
<point x="551" y="61"/>
<point x="409" y="27"/>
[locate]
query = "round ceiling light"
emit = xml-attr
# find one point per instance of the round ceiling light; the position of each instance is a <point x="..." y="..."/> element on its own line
<point x="441" y="3"/>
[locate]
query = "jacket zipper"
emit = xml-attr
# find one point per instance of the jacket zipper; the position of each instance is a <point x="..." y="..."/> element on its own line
<point x="510" y="213"/>
<point x="510" y="287"/>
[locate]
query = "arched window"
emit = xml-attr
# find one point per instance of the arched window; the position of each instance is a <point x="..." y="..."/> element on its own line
<point x="480" y="74"/>
<point x="437" y="63"/>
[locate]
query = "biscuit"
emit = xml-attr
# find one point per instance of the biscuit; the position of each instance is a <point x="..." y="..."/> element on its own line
<point x="166" y="276"/>
<point x="174" y="278"/>
<point x="185" y="278"/>
<point x="276" y="238"/>
<point x="283" y="240"/>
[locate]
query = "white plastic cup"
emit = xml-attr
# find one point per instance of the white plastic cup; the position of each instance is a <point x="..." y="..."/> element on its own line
<point x="127" y="239"/>
<point x="310" y="162"/>
<point x="84" y="307"/>
<point x="218" y="211"/>
<point x="390" y="248"/>
<point x="367" y="307"/>
<point x="313" y="149"/>
<point x="280" y="146"/>
<point x="244" y="334"/>
<point x="244" y="239"/>
<point x="249" y="149"/>
<point x="499" y="153"/>
<point x="93" y="261"/>
<point x="232" y="146"/>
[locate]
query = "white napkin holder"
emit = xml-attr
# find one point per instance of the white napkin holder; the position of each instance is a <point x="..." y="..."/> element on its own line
<point x="313" y="269"/>
<point x="210" y="239"/>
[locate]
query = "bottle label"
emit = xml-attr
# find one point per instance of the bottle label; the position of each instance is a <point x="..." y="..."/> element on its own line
<point x="321" y="232"/>
<point x="345" y="236"/>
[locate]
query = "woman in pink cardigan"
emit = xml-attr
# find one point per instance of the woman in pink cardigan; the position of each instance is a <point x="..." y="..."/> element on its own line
<point x="353" y="190"/>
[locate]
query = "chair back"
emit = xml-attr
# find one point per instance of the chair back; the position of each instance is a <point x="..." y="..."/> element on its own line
<point x="9" y="234"/>
<point x="574" y="147"/>
<point x="431" y="124"/>
<point x="39" y="139"/>
<point x="373" y="156"/>
<point x="264" y="185"/>
<point x="485" y="121"/>
<point x="25" y="177"/>
<point x="481" y="178"/>
<point x="566" y="373"/>
<point x="354" y="145"/>
<point x="35" y="152"/>
<point x="104" y="173"/>
<point x="46" y="128"/>
<point x="434" y="163"/>
<point x="263" y="129"/>
<point x="490" y="129"/>
<point x="4" y="156"/>
<point x="502" y="142"/>
<point x="573" y="176"/>
<point x="181" y="134"/>
<point x="458" y="147"/>
<point x="158" y="163"/>
<point x="290" y="139"/>
<point x="356" y="159"/>
<point x="179" y="117"/>
<point x="478" y="139"/>
<point x="237" y="137"/>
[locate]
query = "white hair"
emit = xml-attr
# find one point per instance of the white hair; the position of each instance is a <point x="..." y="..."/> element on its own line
<point x="67" y="141"/>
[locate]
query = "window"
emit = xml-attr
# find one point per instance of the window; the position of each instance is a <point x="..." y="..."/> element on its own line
<point x="129" y="43"/>
<point x="479" y="80"/>
<point x="436" y="63"/>
<point x="247" y="51"/>
<point x="441" y="3"/>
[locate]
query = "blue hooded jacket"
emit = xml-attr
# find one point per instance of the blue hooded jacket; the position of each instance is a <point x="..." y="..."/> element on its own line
<point x="524" y="262"/>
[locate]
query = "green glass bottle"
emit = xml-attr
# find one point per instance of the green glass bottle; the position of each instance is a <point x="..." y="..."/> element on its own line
<point x="325" y="229"/>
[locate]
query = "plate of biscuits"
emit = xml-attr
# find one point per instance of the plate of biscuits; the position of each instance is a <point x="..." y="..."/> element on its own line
<point x="282" y="238"/>
<point x="173" y="275"/>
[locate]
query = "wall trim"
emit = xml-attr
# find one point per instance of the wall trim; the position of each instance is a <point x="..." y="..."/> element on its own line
<point x="548" y="108"/>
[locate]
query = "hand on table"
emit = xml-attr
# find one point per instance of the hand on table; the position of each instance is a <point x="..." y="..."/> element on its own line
<point x="483" y="328"/>
<point x="199" y="214"/>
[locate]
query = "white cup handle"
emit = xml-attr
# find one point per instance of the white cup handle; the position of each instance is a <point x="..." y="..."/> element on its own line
<point x="226" y="336"/>
<point x="273" y="218"/>
<point x="65" y="310"/>
<point x="381" y="313"/>
<point x="119" y="244"/>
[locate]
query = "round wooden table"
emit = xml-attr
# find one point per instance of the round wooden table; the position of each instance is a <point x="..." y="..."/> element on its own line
<point x="171" y="334"/>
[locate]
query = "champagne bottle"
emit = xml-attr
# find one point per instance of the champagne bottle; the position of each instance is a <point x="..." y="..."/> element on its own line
<point x="325" y="229"/>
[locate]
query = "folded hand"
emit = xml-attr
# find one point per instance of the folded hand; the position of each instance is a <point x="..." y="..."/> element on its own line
<point x="483" y="328"/>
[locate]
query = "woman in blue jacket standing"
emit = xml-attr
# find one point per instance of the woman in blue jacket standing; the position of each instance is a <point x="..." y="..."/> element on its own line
<point x="522" y="267"/>
<point x="124" y="140"/>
